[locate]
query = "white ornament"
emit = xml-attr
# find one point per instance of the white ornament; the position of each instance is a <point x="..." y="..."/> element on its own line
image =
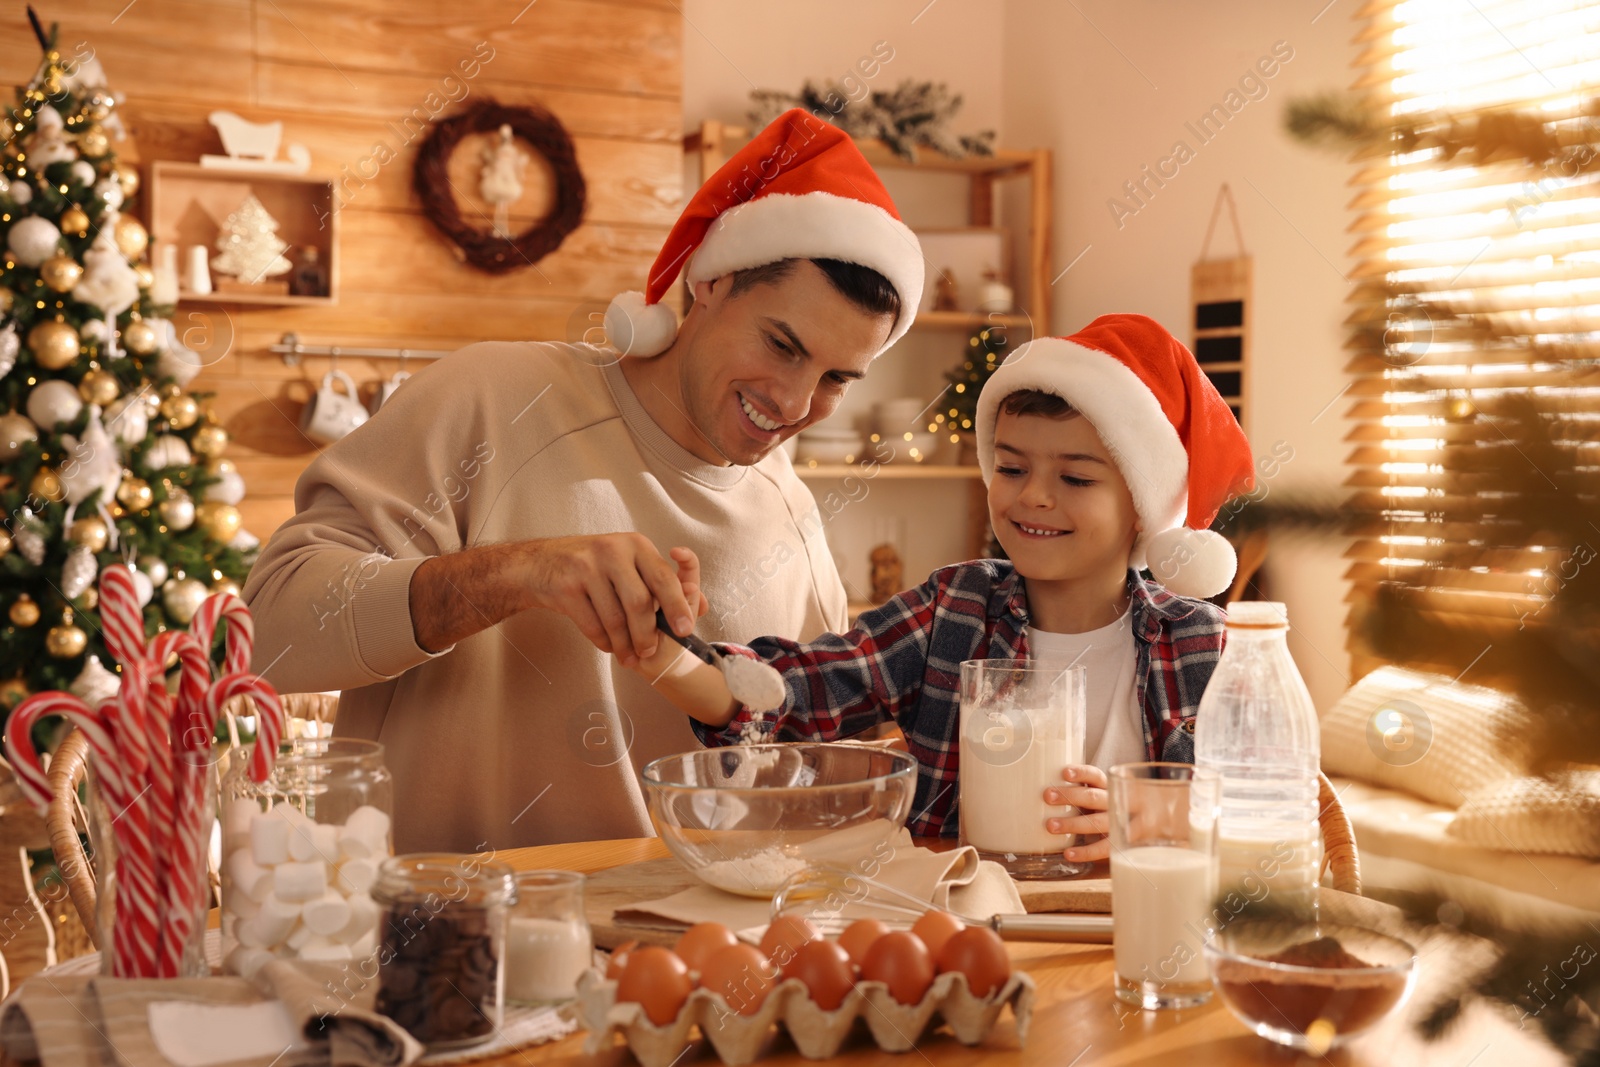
<point x="85" y="74"/>
<point x="128" y="419"/>
<point x="48" y="143"/>
<point x="53" y="402"/>
<point x="93" y="330"/>
<point x="155" y="567"/>
<point x="108" y="282"/>
<point x="501" y="181"/>
<point x="177" y="511"/>
<point x="22" y="193"/>
<point x="91" y="463"/>
<point x="168" y="450"/>
<point x="228" y="489"/>
<point x="143" y="587"/>
<point x="83" y="173"/>
<point x="95" y="685"/>
<point x="177" y="360"/>
<point x="77" y="573"/>
<point x="10" y="345"/>
<point x="109" y="190"/>
<point x="33" y="240"/>
<point x="244" y="541"/>
<point x="28" y="538"/>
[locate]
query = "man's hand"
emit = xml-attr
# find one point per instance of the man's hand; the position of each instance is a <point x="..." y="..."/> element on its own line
<point x="610" y="585"/>
<point x="1087" y="792"/>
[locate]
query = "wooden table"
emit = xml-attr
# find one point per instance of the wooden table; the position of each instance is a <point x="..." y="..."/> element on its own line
<point x="1077" y="1022"/>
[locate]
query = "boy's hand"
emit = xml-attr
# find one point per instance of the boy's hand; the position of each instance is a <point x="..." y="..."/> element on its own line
<point x="1086" y="790"/>
<point x="668" y="652"/>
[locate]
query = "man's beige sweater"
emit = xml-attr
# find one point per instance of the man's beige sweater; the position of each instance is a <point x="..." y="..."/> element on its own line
<point x="523" y="734"/>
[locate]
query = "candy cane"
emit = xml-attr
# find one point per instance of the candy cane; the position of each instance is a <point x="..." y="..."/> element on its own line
<point x="191" y="747"/>
<point x="137" y="864"/>
<point x="121" y="618"/>
<point x="269" y="716"/>
<point x="195" y="663"/>
<point x="241" y="630"/>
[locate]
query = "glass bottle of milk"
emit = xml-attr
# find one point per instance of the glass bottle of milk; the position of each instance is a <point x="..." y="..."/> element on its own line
<point x="1257" y="728"/>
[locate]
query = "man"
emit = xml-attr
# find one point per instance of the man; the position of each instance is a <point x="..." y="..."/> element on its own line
<point x="460" y="565"/>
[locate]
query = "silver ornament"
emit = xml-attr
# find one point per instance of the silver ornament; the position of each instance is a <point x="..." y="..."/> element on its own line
<point x="28" y="537"/>
<point x="155" y="567"/>
<point x="182" y="597"/>
<point x="143" y="587"/>
<point x="77" y="573"/>
<point x="177" y="511"/>
<point x="94" y="685"/>
<point x="10" y="345"/>
<point x="168" y="450"/>
<point x="228" y="489"/>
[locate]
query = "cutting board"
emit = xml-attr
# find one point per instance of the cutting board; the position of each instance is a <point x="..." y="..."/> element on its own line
<point x="619" y="888"/>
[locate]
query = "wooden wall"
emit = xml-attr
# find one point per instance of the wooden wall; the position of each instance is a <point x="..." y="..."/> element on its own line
<point x="355" y="81"/>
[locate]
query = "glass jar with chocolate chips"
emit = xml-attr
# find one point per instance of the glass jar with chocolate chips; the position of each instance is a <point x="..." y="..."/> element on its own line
<point x="442" y="945"/>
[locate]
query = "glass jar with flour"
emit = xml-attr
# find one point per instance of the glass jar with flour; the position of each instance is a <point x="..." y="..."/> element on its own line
<point x="1020" y="725"/>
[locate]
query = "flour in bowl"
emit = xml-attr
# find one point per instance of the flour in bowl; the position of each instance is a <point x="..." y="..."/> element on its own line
<point x="759" y="874"/>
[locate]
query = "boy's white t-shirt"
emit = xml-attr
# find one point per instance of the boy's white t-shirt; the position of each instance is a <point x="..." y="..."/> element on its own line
<point x="1113" y="731"/>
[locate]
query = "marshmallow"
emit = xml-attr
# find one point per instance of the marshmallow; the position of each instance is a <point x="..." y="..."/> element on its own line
<point x="319" y="949"/>
<point x="365" y="834"/>
<point x="326" y="915"/>
<point x="364" y="916"/>
<point x="314" y="841"/>
<point x="357" y="876"/>
<point x="274" y="922"/>
<point x="241" y="906"/>
<point x="365" y="945"/>
<point x="245" y="961"/>
<point x="269" y="839"/>
<point x="299" y="881"/>
<point x="247" y="877"/>
<point x="298" y="940"/>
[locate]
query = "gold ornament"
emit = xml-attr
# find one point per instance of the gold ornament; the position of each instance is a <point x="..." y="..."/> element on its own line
<point x="99" y="387"/>
<point x="99" y="105"/>
<point x="128" y="178"/>
<point x="182" y="597"/>
<point x="75" y="221"/>
<point x="54" y="344"/>
<point x="135" y="494"/>
<point x="93" y="142"/>
<point x="221" y="467"/>
<point x="65" y="641"/>
<point x="90" y="598"/>
<point x="140" y="338"/>
<point x="209" y="440"/>
<point x="24" y="611"/>
<point x="60" y="273"/>
<point x="6" y="300"/>
<point x="181" y="411"/>
<point x="146" y="273"/>
<point x="5" y="543"/>
<point x="220" y="521"/>
<point x="13" y="691"/>
<point x="91" y="532"/>
<point x="47" y="484"/>
<point x="225" y="585"/>
<point x="132" y="240"/>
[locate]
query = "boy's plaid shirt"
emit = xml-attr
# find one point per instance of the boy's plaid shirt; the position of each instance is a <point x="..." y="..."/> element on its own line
<point x="903" y="662"/>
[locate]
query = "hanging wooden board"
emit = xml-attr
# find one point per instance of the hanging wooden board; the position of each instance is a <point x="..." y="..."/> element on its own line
<point x="1220" y="290"/>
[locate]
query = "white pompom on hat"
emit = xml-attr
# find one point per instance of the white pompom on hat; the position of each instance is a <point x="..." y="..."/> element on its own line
<point x="1173" y="437"/>
<point x="800" y="189"/>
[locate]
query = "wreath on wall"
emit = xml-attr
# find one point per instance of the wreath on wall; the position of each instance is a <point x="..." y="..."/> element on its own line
<point x="483" y="248"/>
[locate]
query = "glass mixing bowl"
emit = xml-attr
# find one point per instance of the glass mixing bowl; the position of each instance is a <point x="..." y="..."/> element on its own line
<point x="748" y="817"/>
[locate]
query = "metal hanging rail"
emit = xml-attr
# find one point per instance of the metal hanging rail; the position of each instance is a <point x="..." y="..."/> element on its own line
<point x="291" y="348"/>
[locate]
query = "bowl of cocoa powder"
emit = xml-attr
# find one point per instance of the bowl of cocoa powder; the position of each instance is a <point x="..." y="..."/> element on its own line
<point x="1310" y="986"/>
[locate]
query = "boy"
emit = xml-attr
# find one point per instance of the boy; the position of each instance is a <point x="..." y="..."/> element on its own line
<point x="1104" y="452"/>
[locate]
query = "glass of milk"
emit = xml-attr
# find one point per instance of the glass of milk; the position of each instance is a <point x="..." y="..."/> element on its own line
<point x="1020" y="725"/>
<point x="548" y="941"/>
<point x="1163" y="881"/>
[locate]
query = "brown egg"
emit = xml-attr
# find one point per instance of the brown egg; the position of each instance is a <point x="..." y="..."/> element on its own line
<point x="826" y="970"/>
<point x="978" y="953"/>
<point x="655" y="979"/>
<point x="742" y="975"/>
<point x="699" y="942"/>
<point x="784" y="937"/>
<point x="900" y="961"/>
<point x="859" y="936"/>
<point x="619" y="959"/>
<point x="935" y="928"/>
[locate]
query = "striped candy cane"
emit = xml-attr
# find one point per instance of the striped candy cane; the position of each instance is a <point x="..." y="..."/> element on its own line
<point x="121" y="618"/>
<point x="269" y="716"/>
<point x="229" y="609"/>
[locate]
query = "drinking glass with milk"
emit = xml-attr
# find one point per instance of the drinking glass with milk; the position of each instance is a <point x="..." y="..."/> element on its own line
<point x="548" y="940"/>
<point x="1163" y="881"/>
<point x="1020" y="725"/>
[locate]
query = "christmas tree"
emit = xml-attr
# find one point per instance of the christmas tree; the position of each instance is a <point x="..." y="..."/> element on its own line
<point x="104" y="454"/>
<point x="958" y="407"/>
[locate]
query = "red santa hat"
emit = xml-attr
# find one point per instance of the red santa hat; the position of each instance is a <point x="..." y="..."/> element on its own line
<point x="1172" y="436"/>
<point x="800" y="189"/>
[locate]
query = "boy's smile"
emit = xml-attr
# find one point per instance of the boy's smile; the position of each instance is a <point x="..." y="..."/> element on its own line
<point x="1062" y="511"/>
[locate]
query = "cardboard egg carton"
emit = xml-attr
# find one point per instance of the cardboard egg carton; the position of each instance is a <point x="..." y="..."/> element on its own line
<point x="816" y="1033"/>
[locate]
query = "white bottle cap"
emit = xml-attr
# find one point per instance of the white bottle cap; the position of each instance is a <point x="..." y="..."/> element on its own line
<point x="1258" y="614"/>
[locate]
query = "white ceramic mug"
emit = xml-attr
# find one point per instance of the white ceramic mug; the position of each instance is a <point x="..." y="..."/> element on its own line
<point x="330" y="414"/>
<point x="387" y="389"/>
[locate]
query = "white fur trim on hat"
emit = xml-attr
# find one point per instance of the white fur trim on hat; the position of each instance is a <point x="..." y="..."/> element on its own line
<point x="635" y="328"/>
<point x="1197" y="563"/>
<point x="814" y="225"/>
<point x="1125" y="413"/>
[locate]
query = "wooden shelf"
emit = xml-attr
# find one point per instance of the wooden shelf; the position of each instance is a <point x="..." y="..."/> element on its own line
<point x="1004" y="162"/>
<point x="254" y="299"/>
<point x="885" y="470"/>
